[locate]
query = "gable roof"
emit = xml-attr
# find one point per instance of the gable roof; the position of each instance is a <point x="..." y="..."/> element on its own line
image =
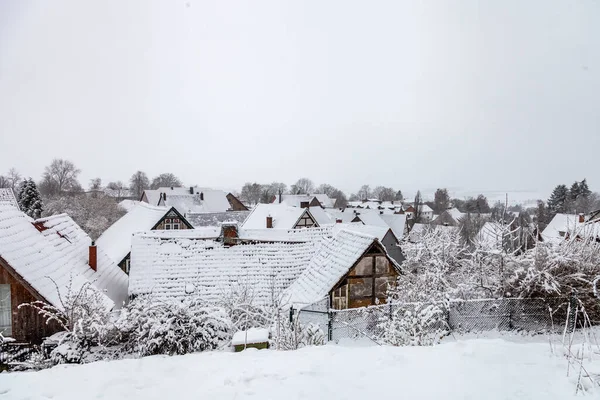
<point x="565" y="226"/>
<point x="321" y="216"/>
<point x="176" y="267"/>
<point x="202" y="200"/>
<point x="284" y="216"/>
<point x="333" y="260"/>
<point x="216" y="219"/>
<point x="294" y="200"/>
<point x="116" y="240"/>
<point x="7" y="197"/>
<point x="397" y="223"/>
<point x="47" y="268"/>
<point x="68" y="238"/>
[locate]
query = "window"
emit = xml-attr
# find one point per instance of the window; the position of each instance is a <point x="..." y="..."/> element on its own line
<point x="168" y="226"/>
<point x="175" y="226"/>
<point x="5" y="310"/>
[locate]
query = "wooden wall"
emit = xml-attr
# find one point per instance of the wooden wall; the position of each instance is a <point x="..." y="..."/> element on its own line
<point x="27" y="325"/>
<point x="366" y="283"/>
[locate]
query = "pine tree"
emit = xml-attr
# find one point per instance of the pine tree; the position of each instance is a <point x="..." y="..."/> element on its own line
<point x="558" y="200"/>
<point x="575" y="191"/>
<point x="584" y="190"/>
<point x="30" y="200"/>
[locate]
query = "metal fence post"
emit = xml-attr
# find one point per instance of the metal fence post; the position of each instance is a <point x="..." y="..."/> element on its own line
<point x="329" y="326"/>
<point x="572" y="310"/>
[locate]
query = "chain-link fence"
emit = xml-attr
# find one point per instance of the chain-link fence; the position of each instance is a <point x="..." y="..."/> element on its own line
<point x="531" y="315"/>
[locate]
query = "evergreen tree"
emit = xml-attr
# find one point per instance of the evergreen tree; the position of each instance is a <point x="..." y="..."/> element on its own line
<point x="584" y="190"/>
<point x="575" y="191"/>
<point x="441" y="201"/>
<point x="29" y="199"/>
<point x="399" y="196"/>
<point x="558" y="200"/>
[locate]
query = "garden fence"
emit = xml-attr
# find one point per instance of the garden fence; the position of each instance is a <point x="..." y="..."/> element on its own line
<point x="508" y="314"/>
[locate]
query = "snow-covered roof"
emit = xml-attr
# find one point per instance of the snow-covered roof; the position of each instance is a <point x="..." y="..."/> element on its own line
<point x="314" y="234"/>
<point x="177" y="267"/>
<point x="7" y="197"/>
<point x="376" y="231"/>
<point x="116" y="240"/>
<point x="397" y="222"/>
<point x="127" y="205"/>
<point x="455" y="213"/>
<point x="284" y="216"/>
<point x="216" y="219"/>
<point x="69" y="239"/>
<point x="293" y="200"/>
<point x="43" y="263"/>
<point x="333" y="260"/>
<point x="426" y="209"/>
<point x="321" y="216"/>
<point x="190" y="200"/>
<point x="345" y="216"/>
<point x="565" y="226"/>
<point x="376" y="205"/>
<point x="325" y="200"/>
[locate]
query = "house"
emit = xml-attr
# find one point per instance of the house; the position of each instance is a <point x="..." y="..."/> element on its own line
<point x="298" y="200"/>
<point x="193" y="200"/>
<point x="381" y="218"/>
<point x="449" y="217"/>
<point x="352" y="270"/>
<point x="38" y="264"/>
<point x="351" y="267"/>
<point x="384" y="234"/>
<point x="7" y="197"/>
<point x="72" y="242"/>
<point x="279" y="216"/>
<point x="116" y="240"/>
<point x="569" y="226"/>
<point x="375" y="204"/>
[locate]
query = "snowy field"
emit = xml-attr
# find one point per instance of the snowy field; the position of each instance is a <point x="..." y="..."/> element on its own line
<point x="469" y="369"/>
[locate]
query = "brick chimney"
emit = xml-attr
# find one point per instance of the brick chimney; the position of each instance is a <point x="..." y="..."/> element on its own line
<point x="279" y="196"/>
<point x="93" y="258"/>
<point x="338" y="220"/>
<point x="229" y="232"/>
<point x="269" y="222"/>
<point x="581" y="218"/>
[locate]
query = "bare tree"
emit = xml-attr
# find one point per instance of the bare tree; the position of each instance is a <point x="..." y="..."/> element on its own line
<point x="95" y="184"/>
<point x="251" y="193"/>
<point x="325" y="188"/>
<point x="4" y="182"/>
<point x="60" y="176"/>
<point x="303" y="186"/>
<point x="138" y="183"/>
<point x="165" y="180"/>
<point x="383" y="193"/>
<point x="15" y="178"/>
<point x="364" y="192"/>
<point x="118" y="187"/>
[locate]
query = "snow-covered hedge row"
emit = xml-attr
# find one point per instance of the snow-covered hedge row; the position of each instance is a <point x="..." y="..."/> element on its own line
<point x="152" y="327"/>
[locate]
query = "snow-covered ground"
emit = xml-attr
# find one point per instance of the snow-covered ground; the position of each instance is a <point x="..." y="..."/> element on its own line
<point x="464" y="369"/>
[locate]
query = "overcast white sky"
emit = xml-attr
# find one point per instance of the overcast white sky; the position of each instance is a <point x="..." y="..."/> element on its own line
<point x="497" y="95"/>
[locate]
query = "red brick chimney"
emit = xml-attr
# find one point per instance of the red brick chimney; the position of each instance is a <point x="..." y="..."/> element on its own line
<point x="581" y="218"/>
<point x="338" y="220"/>
<point x="269" y="222"/>
<point x="229" y="231"/>
<point x="93" y="258"/>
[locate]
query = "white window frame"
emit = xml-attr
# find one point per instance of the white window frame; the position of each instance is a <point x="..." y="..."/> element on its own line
<point x="5" y="310"/>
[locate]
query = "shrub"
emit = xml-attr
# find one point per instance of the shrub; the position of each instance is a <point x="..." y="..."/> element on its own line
<point x="422" y="325"/>
<point x="151" y="327"/>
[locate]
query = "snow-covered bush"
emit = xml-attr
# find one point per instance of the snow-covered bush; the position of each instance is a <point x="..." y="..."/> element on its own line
<point x="156" y="327"/>
<point x="293" y="335"/>
<point x="82" y="314"/>
<point x="415" y="325"/>
<point x="245" y="312"/>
